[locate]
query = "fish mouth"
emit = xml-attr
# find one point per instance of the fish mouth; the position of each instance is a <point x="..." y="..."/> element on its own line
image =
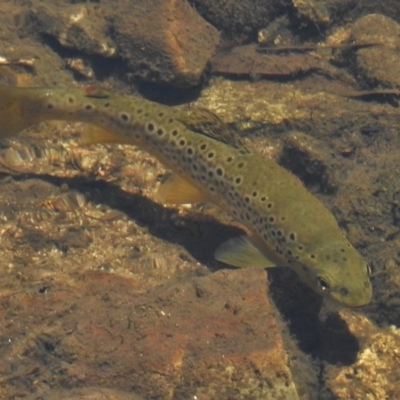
<point x="354" y="301"/>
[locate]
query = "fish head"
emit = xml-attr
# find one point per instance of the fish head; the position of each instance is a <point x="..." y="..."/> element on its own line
<point x="338" y="271"/>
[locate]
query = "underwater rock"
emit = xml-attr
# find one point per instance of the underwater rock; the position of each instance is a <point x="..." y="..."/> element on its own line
<point x="161" y="41"/>
<point x="378" y="65"/>
<point x="215" y="337"/>
<point x="90" y="393"/>
<point x="313" y="11"/>
<point x="238" y="16"/>
<point x="310" y="159"/>
<point x="251" y="61"/>
<point x="164" y="41"/>
<point x="77" y="27"/>
<point x="375" y="373"/>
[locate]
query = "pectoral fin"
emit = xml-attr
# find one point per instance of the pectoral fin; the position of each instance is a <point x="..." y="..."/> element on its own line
<point x="240" y="252"/>
<point x="176" y="190"/>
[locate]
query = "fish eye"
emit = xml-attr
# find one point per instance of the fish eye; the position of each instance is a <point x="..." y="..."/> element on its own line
<point x="323" y="284"/>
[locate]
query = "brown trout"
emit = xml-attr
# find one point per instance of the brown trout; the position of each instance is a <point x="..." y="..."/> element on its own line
<point x="289" y="226"/>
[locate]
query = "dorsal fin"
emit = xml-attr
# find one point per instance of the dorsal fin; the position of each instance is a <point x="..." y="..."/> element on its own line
<point x="97" y="92"/>
<point x="205" y="122"/>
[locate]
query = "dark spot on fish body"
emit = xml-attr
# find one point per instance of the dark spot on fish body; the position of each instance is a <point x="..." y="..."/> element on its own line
<point x="160" y="132"/>
<point x="89" y="107"/>
<point x="124" y="117"/>
<point x="203" y="146"/>
<point x="189" y="151"/>
<point x="210" y="155"/>
<point x="150" y="127"/>
<point x="71" y="100"/>
<point x="182" y="142"/>
<point x="50" y="106"/>
<point x="238" y="180"/>
<point x="220" y="171"/>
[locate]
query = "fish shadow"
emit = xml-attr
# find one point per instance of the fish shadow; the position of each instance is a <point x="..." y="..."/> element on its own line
<point x="327" y="340"/>
<point x="198" y="234"/>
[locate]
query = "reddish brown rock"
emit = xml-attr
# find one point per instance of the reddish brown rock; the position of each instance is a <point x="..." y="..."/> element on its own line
<point x="164" y="41"/>
<point x="215" y="337"/>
